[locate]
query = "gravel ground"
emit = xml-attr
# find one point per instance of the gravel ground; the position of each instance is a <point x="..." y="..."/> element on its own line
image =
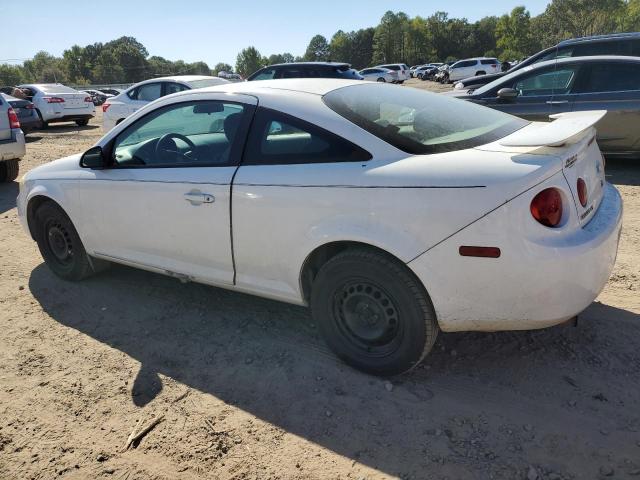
<point x="247" y="390"/>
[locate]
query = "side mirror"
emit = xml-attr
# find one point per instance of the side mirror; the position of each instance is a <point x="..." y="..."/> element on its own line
<point x="93" y="158"/>
<point x="507" y="93"/>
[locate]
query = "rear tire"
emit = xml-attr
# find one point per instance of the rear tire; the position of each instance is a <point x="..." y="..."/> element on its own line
<point x="481" y="72"/>
<point x="373" y="312"/>
<point x="44" y="125"/>
<point x="60" y="244"/>
<point x="381" y="80"/>
<point x="9" y="170"/>
<point x="82" y="123"/>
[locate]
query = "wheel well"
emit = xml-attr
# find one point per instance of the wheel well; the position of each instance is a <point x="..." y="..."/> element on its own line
<point x="321" y="255"/>
<point x="32" y="207"/>
<point x="480" y="72"/>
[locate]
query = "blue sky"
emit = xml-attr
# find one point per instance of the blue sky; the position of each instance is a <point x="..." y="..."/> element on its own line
<point x="216" y="31"/>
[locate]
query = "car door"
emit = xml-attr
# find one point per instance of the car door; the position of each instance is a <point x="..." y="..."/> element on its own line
<point x="164" y="204"/>
<point x="614" y="87"/>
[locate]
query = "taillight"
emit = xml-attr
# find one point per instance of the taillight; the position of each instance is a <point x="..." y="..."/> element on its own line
<point x="582" y="192"/>
<point x="13" y="118"/>
<point x="105" y="106"/>
<point x="88" y="99"/>
<point x="30" y="106"/>
<point x="54" y="99"/>
<point x="546" y="207"/>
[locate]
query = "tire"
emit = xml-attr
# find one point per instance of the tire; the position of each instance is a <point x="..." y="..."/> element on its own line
<point x="60" y="244"/>
<point x="381" y="80"/>
<point x="401" y="82"/>
<point x="419" y="76"/>
<point x="44" y="125"/>
<point x="373" y="312"/>
<point x="481" y="72"/>
<point x="9" y="170"/>
<point x="82" y="123"/>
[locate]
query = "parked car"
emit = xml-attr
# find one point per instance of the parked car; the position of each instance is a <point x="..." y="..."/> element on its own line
<point x="117" y="108"/>
<point x="98" y="97"/>
<point x="12" y="145"/>
<point x="420" y="72"/>
<point x="379" y="75"/>
<point x="413" y="69"/>
<point x="625" y="44"/>
<point x="306" y="70"/>
<point x="55" y="102"/>
<point x="473" y="67"/>
<point x="26" y="112"/>
<point x="399" y="212"/>
<point x="430" y="72"/>
<point x="401" y="68"/>
<point x="574" y="84"/>
<point x="111" y="91"/>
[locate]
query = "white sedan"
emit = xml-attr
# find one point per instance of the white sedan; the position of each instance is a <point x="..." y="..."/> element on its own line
<point x="117" y="108"/>
<point x="55" y="102"/>
<point x="377" y="74"/>
<point x="393" y="213"/>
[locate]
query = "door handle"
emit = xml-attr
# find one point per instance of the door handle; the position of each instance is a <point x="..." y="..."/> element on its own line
<point x="557" y="102"/>
<point x="197" y="198"/>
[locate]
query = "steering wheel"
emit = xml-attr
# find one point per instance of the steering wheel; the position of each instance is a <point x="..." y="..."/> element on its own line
<point x="162" y="145"/>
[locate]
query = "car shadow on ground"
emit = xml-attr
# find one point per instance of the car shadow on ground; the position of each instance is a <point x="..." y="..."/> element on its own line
<point x="621" y="171"/>
<point x="67" y="128"/>
<point x="266" y="358"/>
<point x="8" y="194"/>
<point x="32" y="138"/>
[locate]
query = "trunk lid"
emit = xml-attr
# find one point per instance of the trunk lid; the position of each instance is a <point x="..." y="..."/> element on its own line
<point x="72" y="100"/>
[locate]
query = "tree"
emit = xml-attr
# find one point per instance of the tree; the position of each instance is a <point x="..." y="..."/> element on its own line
<point x="513" y="34"/>
<point x="11" y="75"/>
<point x="579" y="18"/>
<point x="279" y="58"/>
<point x="46" y="68"/>
<point x="317" y="50"/>
<point x="249" y="60"/>
<point x="222" y="67"/>
<point x="389" y="41"/>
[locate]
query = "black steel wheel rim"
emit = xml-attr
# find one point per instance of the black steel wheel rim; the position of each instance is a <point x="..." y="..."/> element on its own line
<point x="59" y="242"/>
<point x="367" y="317"/>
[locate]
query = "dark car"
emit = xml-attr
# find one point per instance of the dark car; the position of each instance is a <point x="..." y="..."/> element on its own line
<point x="627" y="44"/>
<point x="26" y="111"/>
<point x="609" y="83"/>
<point x="111" y="91"/>
<point x="306" y="70"/>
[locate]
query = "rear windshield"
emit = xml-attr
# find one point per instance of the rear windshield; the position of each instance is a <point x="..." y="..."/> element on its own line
<point x="420" y="122"/>
<point x="56" y="89"/>
<point x="207" y="82"/>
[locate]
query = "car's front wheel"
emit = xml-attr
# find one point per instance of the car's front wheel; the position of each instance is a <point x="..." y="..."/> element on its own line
<point x="381" y="79"/>
<point x="82" y="123"/>
<point x="9" y="170"/>
<point x="373" y="312"/>
<point x="60" y="244"/>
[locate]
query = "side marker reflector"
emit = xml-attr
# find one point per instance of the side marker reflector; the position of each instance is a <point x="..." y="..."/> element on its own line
<point x="487" y="252"/>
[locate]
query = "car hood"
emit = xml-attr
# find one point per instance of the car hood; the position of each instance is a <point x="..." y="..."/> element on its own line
<point x="66" y="165"/>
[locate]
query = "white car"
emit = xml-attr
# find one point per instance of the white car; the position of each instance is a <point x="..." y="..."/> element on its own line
<point x="55" y="102"/>
<point x="393" y="213"/>
<point x="117" y="108"/>
<point x="12" y="144"/>
<point x="471" y="67"/>
<point x="401" y="68"/>
<point x="377" y="74"/>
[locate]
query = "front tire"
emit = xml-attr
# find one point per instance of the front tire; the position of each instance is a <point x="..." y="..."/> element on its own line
<point x="373" y="312"/>
<point x="60" y="244"/>
<point x="82" y="123"/>
<point x="381" y="80"/>
<point x="9" y="170"/>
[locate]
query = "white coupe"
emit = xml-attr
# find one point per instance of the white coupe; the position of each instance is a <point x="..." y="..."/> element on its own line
<point x="392" y="212"/>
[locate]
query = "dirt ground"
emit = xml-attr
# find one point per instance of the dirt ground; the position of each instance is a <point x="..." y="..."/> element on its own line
<point x="247" y="389"/>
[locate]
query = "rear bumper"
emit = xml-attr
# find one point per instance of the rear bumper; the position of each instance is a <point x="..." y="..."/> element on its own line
<point x="534" y="284"/>
<point x="71" y="118"/>
<point x="13" y="147"/>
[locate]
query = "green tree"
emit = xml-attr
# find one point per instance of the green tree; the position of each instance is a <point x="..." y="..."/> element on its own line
<point x="44" y="67"/>
<point x="513" y="33"/>
<point x="578" y="18"/>
<point x="248" y="61"/>
<point x="11" y="75"/>
<point x="317" y="50"/>
<point x="222" y="67"/>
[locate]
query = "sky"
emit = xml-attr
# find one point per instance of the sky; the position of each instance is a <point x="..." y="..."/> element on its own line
<point x="215" y="31"/>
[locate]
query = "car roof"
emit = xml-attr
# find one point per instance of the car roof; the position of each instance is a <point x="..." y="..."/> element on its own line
<point x="177" y="78"/>
<point x="316" y="64"/>
<point x="595" y="38"/>
<point x="593" y="58"/>
<point x="313" y="86"/>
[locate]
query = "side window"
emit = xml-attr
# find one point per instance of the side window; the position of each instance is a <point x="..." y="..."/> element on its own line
<point x="548" y="82"/>
<point x="148" y="92"/>
<point x="489" y="62"/>
<point x="181" y="135"/>
<point x="171" y="87"/>
<point x="266" y="74"/>
<point x="612" y="77"/>
<point x="277" y="139"/>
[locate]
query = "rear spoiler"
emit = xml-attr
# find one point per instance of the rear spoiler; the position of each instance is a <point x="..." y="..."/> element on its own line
<point x="556" y="133"/>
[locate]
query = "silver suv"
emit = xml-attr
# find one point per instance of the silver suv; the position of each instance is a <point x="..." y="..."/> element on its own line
<point x="12" y="146"/>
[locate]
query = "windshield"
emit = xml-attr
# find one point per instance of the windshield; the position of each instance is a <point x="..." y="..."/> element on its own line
<point x="56" y="89"/>
<point x="206" y="82"/>
<point x="420" y="122"/>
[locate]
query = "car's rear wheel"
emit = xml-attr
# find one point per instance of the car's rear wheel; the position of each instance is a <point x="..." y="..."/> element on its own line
<point x="481" y="72"/>
<point x="44" y="125"/>
<point x="381" y="80"/>
<point x="9" y="170"/>
<point x="373" y="312"/>
<point x="60" y="244"/>
<point x="82" y="123"/>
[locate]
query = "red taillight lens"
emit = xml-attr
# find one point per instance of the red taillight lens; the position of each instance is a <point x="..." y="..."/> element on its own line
<point x="13" y="118"/>
<point x="88" y="99"/>
<point x="54" y="99"/>
<point x="105" y="106"/>
<point x="546" y="207"/>
<point x="582" y="192"/>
